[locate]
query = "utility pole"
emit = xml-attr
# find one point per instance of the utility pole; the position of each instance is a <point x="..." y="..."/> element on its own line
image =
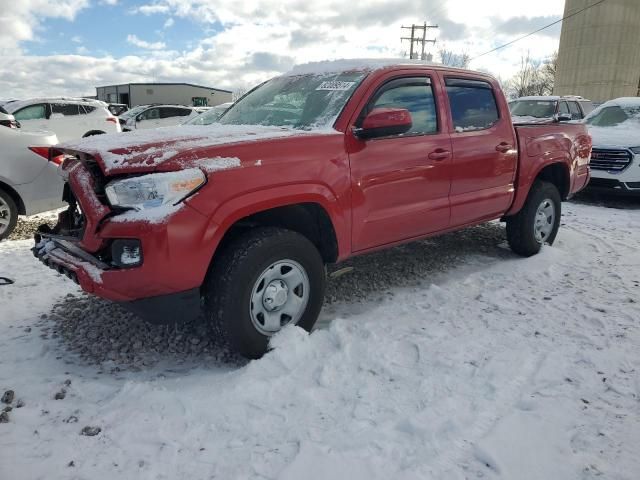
<point x="421" y="38"/>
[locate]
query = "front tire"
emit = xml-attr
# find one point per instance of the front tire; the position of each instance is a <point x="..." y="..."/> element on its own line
<point x="8" y="215"/>
<point x="537" y="222"/>
<point x="263" y="280"/>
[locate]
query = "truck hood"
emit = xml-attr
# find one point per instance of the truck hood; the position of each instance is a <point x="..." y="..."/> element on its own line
<point x="148" y="150"/>
<point x="625" y="135"/>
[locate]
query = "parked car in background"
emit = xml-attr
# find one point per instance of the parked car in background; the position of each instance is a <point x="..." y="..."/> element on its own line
<point x="155" y="116"/>
<point x="117" y="108"/>
<point x="329" y="161"/>
<point x="29" y="182"/>
<point x="549" y="108"/>
<point x="615" y="160"/>
<point x="210" y="116"/>
<point x="68" y="118"/>
<point x="8" y="120"/>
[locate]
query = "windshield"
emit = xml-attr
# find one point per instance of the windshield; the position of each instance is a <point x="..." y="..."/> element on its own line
<point x="210" y="116"/>
<point x="610" y="116"/>
<point x="302" y="101"/>
<point x="534" y="108"/>
<point x="133" y="112"/>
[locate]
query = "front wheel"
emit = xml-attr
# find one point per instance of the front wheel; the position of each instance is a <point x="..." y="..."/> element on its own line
<point x="8" y="215"/>
<point x="538" y="221"/>
<point x="265" y="279"/>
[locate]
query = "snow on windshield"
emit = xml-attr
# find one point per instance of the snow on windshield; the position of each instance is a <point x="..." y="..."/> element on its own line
<point x="303" y="101"/>
<point x="533" y="108"/>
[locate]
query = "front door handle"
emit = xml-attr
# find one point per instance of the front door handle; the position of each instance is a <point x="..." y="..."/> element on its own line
<point x="440" y="154"/>
<point x="504" y="147"/>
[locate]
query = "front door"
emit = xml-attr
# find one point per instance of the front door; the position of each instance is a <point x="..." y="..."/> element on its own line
<point x="400" y="183"/>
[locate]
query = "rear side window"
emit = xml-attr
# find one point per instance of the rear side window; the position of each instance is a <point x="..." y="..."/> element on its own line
<point x="84" y="109"/>
<point x="576" y="114"/>
<point x="32" y="112"/>
<point x="473" y="104"/>
<point x="413" y="94"/>
<point x="66" y="109"/>
<point x="169" y="112"/>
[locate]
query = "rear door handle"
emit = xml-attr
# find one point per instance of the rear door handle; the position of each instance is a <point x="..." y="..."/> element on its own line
<point x="440" y="154"/>
<point x="504" y="147"/>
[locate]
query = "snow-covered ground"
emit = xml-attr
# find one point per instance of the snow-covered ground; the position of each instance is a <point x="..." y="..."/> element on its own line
<point x="432" y="361"/>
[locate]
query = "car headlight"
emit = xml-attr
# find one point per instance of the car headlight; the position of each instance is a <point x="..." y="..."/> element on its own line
<point x="155" y="189"/>
<point x="635" y="149"/>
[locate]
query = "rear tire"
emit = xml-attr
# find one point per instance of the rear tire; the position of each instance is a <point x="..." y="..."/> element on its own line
<point x="266" y="278"/>
<point x="8" y="215"/>
<point x="537" y="222"/>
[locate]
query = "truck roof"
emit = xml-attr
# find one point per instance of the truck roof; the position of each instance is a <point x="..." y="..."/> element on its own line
<point x="370" y="64"/>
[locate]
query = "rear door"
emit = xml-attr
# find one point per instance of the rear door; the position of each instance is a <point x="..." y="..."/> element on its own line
<point x="398" y="191"/>
<point x="65" y="121"/>
<point x="484" y="150"/>
<point x="173" y="115"/>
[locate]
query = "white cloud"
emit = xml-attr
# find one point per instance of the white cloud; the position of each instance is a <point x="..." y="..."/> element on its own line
<point x="20" y="19"/>
<point x="134" y="40"/>
<point x="109" y="2"/>
<point x="82" y="50"/>
<point x="260" y="38"/>
<point x="76" y="39"/>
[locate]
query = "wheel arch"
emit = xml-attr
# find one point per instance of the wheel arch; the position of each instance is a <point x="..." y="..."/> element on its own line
<point x="93" y="132"/>
<point x="15" y="196"/>
<point x="555" y="171"/>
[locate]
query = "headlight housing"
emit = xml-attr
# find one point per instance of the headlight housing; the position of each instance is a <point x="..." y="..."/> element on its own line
<point x="635" y="150"/>
<point x="155" y="189"/>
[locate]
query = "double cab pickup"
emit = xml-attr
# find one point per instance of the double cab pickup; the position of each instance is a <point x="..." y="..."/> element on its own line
<point x="235" y="221"/>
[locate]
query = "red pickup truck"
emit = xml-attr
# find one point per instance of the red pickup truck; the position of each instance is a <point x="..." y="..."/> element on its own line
<point x="237" y="219"/>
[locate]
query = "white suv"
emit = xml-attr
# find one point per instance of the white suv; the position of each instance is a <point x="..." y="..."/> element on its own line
<point x="615" y="160"/>
<point x="154" y="116"/>
<point x="68" y="118"/>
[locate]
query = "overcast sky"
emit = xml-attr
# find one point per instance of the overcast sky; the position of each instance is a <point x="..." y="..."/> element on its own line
<point x="67" y="47"/>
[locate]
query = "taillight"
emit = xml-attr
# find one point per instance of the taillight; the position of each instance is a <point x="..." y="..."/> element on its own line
<point x="44" y="153"/>
<point x="112" y="120"/>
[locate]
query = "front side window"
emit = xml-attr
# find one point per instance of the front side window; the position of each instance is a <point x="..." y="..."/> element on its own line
<point x="299" y="101"/>
<point x="473" y="105"/>
<point x="576" y="114"/>
<point x="66" y="109"/>
<point x="564" y="108"/>
<point x="151" y="114"/>
<point x="32" y="112"/>
<point x="169" y="112"/>
<point x="414" y="95"/>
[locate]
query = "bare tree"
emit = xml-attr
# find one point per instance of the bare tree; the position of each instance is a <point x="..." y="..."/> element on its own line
<point x="237" y="94"/>
<point x="548" y="74"/>
<point x="533" y="78"/>
<point x="453" y="59"/>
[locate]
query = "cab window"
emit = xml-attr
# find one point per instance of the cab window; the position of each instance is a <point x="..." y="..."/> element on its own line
<point x="413" y="94"/>
<point x="473" y="104"/>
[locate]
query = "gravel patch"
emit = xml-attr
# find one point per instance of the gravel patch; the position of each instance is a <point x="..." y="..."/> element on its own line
<point x="27" y="226"/>
<point x="104" y="334"/>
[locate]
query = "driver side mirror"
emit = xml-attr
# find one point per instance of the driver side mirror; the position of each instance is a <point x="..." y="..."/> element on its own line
<point x="139" y="118"/>
<point x="382" y="122"/>
<point x="563" y="117"/>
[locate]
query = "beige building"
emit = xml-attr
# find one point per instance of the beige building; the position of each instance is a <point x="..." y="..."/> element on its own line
<point x="133" y="94"/>
<point x="599" y="54"/>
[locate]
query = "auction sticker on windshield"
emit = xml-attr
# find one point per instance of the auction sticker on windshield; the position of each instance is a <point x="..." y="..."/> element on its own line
<point x="335" y="85"/>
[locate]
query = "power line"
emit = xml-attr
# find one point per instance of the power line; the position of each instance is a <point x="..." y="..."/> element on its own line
<point x="540" y="29"/>
<point x="416" y="39"/>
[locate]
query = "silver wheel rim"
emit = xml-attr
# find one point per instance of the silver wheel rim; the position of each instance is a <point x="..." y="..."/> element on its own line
<point x="279" y="296"/>
<point x="544" y="221"/>
<point x="5" y="216"/>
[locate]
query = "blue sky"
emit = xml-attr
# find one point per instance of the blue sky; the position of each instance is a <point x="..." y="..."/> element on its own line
<point x="67" y="47"/>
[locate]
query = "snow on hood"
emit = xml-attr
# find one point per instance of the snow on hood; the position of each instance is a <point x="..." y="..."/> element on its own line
<point x="624" y="135"/>
<point x="150" y="148"/>
<point x="530" y="119"/>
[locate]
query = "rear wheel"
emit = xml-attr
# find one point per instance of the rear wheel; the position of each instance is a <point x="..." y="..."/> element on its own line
<point x="8" y="215"/>
<point x="265" y="279"/>
<point x="538" y="221"/>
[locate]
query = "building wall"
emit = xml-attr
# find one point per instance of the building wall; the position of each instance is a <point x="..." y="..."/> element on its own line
<point x="178" y="94"/>
<point x="113" y="93"/>
<point x="599" y="54"/>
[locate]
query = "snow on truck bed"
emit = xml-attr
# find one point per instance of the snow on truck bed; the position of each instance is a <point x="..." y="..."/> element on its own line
<point x="499" y="368"/>
<point x="155" y="146"/>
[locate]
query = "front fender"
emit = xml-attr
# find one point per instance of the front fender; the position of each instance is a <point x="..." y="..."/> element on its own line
<point x="242" y="206"/>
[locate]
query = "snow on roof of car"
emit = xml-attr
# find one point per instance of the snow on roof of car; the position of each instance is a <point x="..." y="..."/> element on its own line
<point x="350" y="64"/>
<point x="552" y="98"/>
<point x="622" y="102"/>
<point x="14" y="105"/>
